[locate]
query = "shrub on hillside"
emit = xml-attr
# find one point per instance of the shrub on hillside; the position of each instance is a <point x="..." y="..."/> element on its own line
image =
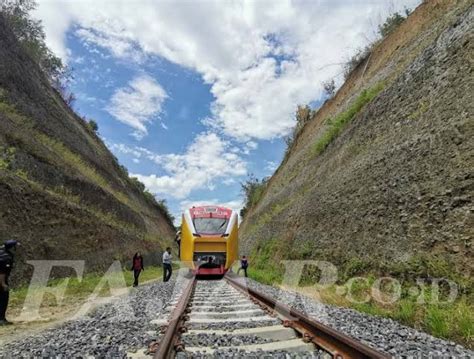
<point x="392" y="22"/>
<point x="252" y="190"/>
<point x="68" y="96"/>
<point x="329" y="87"/>
<point x="139" y="185"/>
<point x="303" y="115"/>
<point x="164" y="208"/>
<point x="151" y="197"/>
<point x="93" y="125"/>
<point x="356" y="60"/>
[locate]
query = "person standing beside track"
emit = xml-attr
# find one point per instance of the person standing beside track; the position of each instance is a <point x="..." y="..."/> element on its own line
<point x="244" y="264"/>
<point x="6" y="263"/>
<point x="167" y="269"/>
<point x="137" y="267"/>
<point x="177" y="239"/>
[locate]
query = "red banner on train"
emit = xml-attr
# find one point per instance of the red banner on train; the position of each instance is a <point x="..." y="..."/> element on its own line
<point x="210" y="212"/>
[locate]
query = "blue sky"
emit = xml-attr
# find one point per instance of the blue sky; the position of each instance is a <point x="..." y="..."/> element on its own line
<point x="193" y="96"/>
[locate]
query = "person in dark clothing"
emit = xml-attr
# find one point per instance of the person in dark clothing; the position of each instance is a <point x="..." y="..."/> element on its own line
<point x="7" y="253"/>
<point x="167" y="268"/>
<point x="178" y="241"/>
<point x="244" y="263"/>
<point x="137" y="267"/>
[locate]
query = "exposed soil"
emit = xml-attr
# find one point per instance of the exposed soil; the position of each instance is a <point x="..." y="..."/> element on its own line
<point x="396" y="185"/>
<point x="63" y="194"/>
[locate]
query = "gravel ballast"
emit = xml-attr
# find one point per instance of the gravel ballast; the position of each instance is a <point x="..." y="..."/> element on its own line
<point x="113" y="330"/>
<point x="238" y="353"/>
<point x="381" y="333"/>
<point x="110" y="331"/>
<point x="225" y="340"/>
<point x="218" y="298"/>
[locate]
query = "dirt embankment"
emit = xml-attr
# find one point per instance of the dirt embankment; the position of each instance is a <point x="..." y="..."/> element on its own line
<point x="63" y="194"/>
<point x="393" y="192"/>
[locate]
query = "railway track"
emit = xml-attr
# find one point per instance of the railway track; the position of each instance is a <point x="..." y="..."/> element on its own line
<point x="224" y="318"/>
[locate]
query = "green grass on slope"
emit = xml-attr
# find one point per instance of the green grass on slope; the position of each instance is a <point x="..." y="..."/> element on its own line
<point x="452" y="321"/>
<point x="68" y="157"/>
<point x="338" y="123"/>
<point x="78" y="291"/>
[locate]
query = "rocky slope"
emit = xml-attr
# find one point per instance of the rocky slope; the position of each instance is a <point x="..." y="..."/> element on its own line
<point x="392" y="193"/>
<point x="63" y="194"/>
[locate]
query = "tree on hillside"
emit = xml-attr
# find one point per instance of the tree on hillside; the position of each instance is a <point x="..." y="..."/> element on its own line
<point x="93" y="125"/>
<point x="30" y="34"/>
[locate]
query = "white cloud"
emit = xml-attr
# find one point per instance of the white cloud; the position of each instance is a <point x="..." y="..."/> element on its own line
<point x="57" y="18"/>
<point x="206" y="162"/>
<point x="117" y="45"/>
<point x="120" y="147"/>
<point x="249" y="146"/>
<point x="271" y="166"/>
<point x="137" y="104"/>
<point x="228" y="181"/>
<point x="260" y="60"/>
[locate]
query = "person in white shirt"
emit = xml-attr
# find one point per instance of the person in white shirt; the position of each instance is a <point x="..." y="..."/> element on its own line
<point x="167" y="269"/>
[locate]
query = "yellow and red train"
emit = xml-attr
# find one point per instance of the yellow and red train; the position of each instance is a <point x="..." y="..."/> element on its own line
<point x="209" y="239"/>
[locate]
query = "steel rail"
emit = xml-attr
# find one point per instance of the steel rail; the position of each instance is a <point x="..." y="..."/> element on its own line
<point x="339" y="345"/>
<point x="169" y="340"/>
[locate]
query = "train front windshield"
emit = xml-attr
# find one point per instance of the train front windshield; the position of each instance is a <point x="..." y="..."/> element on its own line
<point x="211" y="226"/>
